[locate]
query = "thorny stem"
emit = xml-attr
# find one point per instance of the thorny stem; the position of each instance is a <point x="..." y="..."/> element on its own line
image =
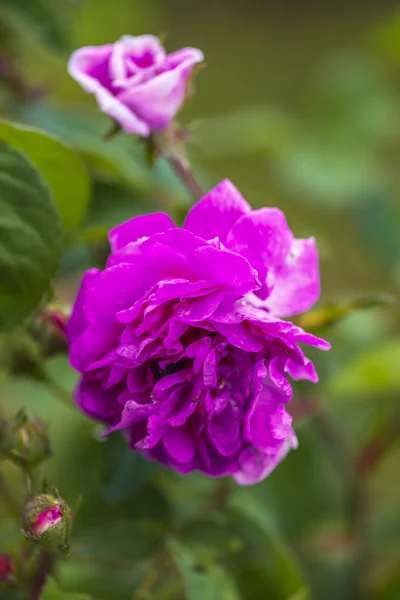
<point x="183" y="171"/>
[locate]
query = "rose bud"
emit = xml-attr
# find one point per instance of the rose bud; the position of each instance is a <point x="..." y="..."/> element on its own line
<point x="7" y="569"/>
<point x="47" y="520"/>
<point x="56" y="316"/>
<point x="26" y="441"/>
<point x="135" y="81"/>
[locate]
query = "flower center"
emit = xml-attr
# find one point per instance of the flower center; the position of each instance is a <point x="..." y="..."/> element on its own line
<point x="169" y="369"/>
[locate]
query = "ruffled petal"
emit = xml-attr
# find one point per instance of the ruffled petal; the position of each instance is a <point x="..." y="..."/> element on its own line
<point x="296" y="286"/>
<point x="89" y="67"/>
<point x="256" y="465"/>
<point x="139" y="227"/>
<point x="157" y="100"/>
<point x="215" y="214"/>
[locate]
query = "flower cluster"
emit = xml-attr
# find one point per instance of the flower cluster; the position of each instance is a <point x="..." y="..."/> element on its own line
<point x="180" y="339"/>
<point x="135" y="82"/>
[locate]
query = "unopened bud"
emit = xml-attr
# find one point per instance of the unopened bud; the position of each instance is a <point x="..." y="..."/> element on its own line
<point x="56" y="315"/>
<point x="7" y="570"/>
<point x="47" y="520"/>
<point x="25" y="440"/>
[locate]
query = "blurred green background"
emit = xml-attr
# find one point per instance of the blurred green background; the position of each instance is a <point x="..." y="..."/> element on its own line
<point x="299" y="105"/>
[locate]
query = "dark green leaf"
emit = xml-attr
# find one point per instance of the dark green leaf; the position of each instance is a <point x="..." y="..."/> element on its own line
<point x="111" y="204"/>
<point x="129" y="471"/>
<point x="266" y="565"/>
<point x="39" y="17"/>
<point x="60" y="166"/>
<point x="30" y="237"/>
<point x="120" y="159"/>
<point x="202" y="580"/>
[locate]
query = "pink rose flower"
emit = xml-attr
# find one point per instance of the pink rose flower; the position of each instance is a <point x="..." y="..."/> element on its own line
<point x="134" y="80"/>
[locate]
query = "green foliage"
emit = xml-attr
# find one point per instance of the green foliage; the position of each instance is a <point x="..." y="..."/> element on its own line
<point x="371" y="372"/>
<point x="316" y="135"/>
<point x="51" y="591"/>
<point x="61" y="168"/>
<point x="202" y="580"/>
<point x="38" y="17"/>
<point x="30" y="237"/>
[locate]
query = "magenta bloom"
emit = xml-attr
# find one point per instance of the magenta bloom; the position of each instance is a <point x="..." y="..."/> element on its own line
<point x="135" y="82"/>
<point x="180" y="341"/>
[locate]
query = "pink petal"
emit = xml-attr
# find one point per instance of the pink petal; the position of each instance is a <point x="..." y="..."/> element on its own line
<point x="138" y="227"/>
<point x="296" y="286"/>
<point x="78" y="321"/>
<point x="215" y="214"/>
<point x="179" y="443"/>
<point x="157" y="100"/>
<point x="117" y="288"/>
<point x="81" y="67"/>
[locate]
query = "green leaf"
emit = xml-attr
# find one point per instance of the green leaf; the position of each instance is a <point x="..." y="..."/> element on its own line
<point x="337" y="160"/>
<point x="38" y="17"/>
<point x="30" y="237"/>
<point x="369" y="373"/>
<point x="120" y="159"/>
<point x="202" y="580"/>
<point x="59" y="165"/>
<point x="51" y="591"/>
<point x="266" y="565"/>
<point x="129" y="471"/>
<point x="111" y="205"/>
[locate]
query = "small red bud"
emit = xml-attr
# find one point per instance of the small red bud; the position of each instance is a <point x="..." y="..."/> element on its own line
<point x="56" y="316"/>
<point x="7" y="569"/>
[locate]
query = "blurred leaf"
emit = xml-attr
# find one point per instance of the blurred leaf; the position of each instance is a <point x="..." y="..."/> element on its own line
<point x="200" y="580"/>
<point x="374" y="371"/>
<point x="120" y="159"/>
<point x="111" y="205"/>
<point x="51" y="591"/>
<point x="129" y="471"/>
<point x="329" y="315"/>
<point x="40" y="18"/>
<point x="386" y="37"/>
<point x="61" y="168"/>
<point x="210" y="538"/>
<point x="353" y="98"/>
<point x="265" y="557"/>
<point x="336" y="173"/>
<point x="253" y="130"/>
<point x="30" y="237"/>
<point x="353" y="115"/>
<point x="101" y="21"/>
<point x="378" y="221"/>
